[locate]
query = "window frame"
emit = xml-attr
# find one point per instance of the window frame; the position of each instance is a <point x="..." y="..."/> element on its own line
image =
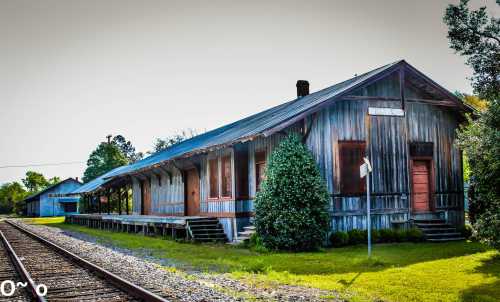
<point x="223" y="177"/>
<point x="257" y="164"/>
<point x="361" y="184"/>
<point x="210" y="180"/>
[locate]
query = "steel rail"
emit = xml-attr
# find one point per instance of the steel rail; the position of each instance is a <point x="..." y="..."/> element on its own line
<point x="118" y="281"/>
<point x="21" y="269"/>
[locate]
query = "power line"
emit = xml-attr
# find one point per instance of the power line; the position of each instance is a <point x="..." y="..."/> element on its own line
<point x="42" y="165"/>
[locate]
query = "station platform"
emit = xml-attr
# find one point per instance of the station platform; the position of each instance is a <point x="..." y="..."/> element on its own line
<point x="196" y="228"/>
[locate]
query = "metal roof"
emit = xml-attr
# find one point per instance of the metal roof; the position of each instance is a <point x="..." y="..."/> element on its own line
<point x="261" y="123"/>
<point x="35" y="195"/>
<point x="98" y="181"/>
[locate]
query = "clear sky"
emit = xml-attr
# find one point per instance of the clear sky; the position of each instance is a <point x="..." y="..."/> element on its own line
<point x="72" y="72"/>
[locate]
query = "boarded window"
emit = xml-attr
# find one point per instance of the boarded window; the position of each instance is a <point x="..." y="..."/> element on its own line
<point x="260" y="167"/>
<point x="226" y="176"/>
<point x="214" y="178"/>
<point x="421" y="149"/>
<point x="351" y="157"/>
<point x="241" y="173"/>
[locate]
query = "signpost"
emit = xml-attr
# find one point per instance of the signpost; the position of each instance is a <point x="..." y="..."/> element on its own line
<point x="364" y="171"/>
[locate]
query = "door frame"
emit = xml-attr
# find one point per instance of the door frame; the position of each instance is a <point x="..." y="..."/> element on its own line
<point x="432" y="185"/>
<point x="186" y="191"/>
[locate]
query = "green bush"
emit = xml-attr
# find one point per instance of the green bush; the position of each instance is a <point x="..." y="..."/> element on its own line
<point x="255" y="244"/>
<point x="291" y="209"/>
<point x="414" y="235"/>
<point x="387" y="236"/>
<point x="339" y="239"/>
<point x="375" y="236"/>
<point x="487" y="228"/>
<point x="465" y="230"/>
<point x="357" y="236"/>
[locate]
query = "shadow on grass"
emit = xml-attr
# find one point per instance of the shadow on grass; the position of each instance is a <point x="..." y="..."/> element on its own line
<point x="485" y="292"/>
<point x="224" y="258"/>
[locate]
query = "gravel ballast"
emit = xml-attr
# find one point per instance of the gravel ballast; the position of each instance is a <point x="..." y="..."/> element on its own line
<point x="176" y="286"/>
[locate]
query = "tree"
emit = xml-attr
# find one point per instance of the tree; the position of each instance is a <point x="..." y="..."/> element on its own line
<point x="477" y="37"/>
<point x="104" y="158"/>
<point x="11" y="195"/>
<point x="473" y="100"/>
<point x="127" y="148"/>
<point x="35" y="181"/>
<point x="163" y="144"/>
<point x="291" y="210"/>
<point x="54" y="180"/>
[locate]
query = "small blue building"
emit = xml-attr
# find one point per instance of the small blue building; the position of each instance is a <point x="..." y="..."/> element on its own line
<point x="55" y="200"/>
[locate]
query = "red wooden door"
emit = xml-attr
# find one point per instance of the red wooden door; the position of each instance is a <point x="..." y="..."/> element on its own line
<point x="146" y="197"/>
<point x="193" y="193"/>
<point x="421" y="186"/>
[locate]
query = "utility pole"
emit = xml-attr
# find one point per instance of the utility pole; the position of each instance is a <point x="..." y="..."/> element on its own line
<point x="364" y="171"/>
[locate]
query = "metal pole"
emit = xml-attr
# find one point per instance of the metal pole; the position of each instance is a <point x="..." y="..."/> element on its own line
<point x="368" y="219"/>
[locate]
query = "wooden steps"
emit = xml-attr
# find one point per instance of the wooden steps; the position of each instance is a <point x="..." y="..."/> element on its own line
<point x="437" y="230"/>
<point x="245" y="235"/>
<point x="206" y="230"/>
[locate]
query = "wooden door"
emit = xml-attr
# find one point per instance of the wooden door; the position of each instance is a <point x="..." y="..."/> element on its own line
<point x="192" y="193"/>
<point x="146" y="197"/>
<point x="421" y="185"/>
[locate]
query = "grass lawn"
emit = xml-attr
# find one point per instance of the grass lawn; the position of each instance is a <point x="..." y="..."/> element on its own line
<point x="455" y="271"/>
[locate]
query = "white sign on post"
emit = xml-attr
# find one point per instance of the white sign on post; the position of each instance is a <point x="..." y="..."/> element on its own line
<point x="364" y="171"/>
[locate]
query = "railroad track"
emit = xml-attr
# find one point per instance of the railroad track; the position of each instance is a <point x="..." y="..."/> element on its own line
<point x="9" y="272"/>
<point x="67" y="277"/>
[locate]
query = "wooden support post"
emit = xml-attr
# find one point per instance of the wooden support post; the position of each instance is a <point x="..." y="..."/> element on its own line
<point x="126" y="199"/>
<point x="119" y="201"/>
<point x="108" y="195"/>
<point x="99" y="204"/>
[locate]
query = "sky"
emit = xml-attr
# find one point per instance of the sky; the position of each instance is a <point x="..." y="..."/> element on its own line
<point x="72" y="72"/>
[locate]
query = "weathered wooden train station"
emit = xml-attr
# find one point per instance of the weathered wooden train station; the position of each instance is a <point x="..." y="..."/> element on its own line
<point x="400" y="119"/>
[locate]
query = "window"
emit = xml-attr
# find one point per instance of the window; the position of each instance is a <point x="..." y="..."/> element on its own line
<point x="69" y="207"/>
<point x="351" y="157"/>
<point x="213" y="178"/>
<point x="226" y="176"/>
<point x="260" y="166"/>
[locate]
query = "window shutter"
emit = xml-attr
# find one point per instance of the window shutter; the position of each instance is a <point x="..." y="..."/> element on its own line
<point x="226" y="176"/>
<point x="351" y="157"/>
<point x="213" y="179"/>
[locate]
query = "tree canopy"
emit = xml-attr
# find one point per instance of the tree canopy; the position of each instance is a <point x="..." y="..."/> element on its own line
<point x="108" y="155"/>
<point x="127" y="148"/>
<point x="477" y="37"/>
<point x="104" y="158"/>
<point x="35" y="182"/>
<point x="161" y="144"/>
<point x="10" y="196"/>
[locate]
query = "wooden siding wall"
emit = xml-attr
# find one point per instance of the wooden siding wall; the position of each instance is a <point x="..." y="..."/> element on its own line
<point x="430" y="124"/>
<point x="387" y="138"/>
<point x="167" y="198"/>
<point x="136" y="196"/>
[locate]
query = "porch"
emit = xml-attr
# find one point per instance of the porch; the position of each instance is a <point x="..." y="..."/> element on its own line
<point x="192" y="228"/>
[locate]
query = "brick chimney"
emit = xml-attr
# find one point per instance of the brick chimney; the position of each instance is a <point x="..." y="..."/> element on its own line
<point x="302" y="88"/>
